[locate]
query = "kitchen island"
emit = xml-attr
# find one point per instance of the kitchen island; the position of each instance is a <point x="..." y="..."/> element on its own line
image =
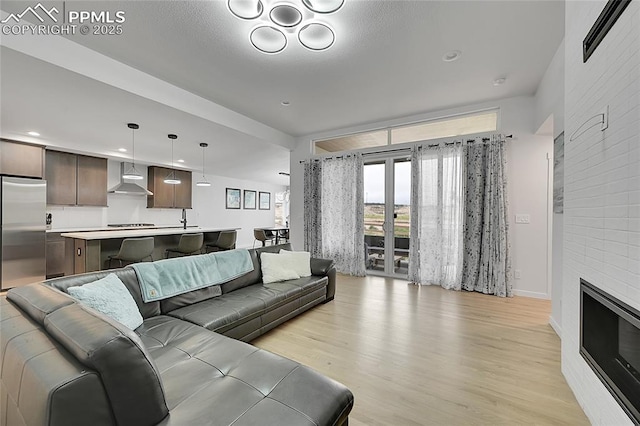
<point x="90" y="250"/>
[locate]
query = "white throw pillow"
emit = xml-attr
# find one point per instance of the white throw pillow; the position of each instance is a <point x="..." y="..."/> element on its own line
<point x="276" y="267"/>
<point x="109" y="296"/>
<point x="300" y="261"/>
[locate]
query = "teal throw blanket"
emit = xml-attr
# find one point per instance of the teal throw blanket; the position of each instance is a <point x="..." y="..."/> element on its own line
<point x="170" y="277"/>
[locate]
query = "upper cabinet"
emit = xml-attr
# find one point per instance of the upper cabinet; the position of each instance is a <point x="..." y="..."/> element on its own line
<point x="166" y="195"/>
<point x="92" y="181"/>
<point x="21" y="159"/>
<point x="61" y="174"/>
<point x="76" y="180"/>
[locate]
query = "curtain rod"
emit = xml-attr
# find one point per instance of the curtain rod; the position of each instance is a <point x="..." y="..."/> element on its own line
<point x="468" y="140"/>
<point x="403" y="149"/>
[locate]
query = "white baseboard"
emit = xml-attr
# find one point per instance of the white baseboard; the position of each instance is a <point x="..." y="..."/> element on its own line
<point x="556" y="327"/>
<point x="533" y="294"/>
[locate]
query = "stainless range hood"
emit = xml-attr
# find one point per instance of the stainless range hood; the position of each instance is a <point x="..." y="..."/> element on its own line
<point x="128" y="187"/>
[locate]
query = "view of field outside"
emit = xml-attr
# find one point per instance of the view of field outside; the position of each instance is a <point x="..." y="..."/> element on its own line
<point x="374" y="215"/>
<point x="374" y="199"/>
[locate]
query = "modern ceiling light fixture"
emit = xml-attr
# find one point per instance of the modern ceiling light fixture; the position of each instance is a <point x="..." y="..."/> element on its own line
<point x="268" y="39"/>
<point x="246" y="9"/>
<point x="277" y="21"/>
<point x="316" y="36"/>
<point x="171" y="178"/>
<point x="36" y="134"/>
<point x="204" y="181"/>
<point x="132" y="173"/>
<point x="285" y="15"/>
<point x="323" y="6"/>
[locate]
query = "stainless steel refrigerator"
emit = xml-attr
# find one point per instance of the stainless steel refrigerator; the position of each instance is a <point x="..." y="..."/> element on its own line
<point x="23" y="231"/>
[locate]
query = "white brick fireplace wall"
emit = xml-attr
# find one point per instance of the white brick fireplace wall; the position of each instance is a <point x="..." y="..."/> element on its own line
<point x="602" y="186"/>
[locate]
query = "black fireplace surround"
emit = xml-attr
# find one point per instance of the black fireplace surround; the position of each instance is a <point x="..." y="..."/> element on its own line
<point x="610" y="343"/>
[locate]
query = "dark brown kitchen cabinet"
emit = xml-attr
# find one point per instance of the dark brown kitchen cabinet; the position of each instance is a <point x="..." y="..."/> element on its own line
<point x="21" y="159"/>
<point x="183" y="191"/>
<point x="166" y="195"/>
<point x="59" y="255"/>
<point x="92" y="181"/>
<point x="76" y="180"/>
<point x="61" y="175"/>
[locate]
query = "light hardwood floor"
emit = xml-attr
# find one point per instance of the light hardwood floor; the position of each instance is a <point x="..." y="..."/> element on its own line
<point x="427" y="356"/>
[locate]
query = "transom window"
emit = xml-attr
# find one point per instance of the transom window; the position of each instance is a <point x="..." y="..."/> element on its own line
<point x="468" y="124"/>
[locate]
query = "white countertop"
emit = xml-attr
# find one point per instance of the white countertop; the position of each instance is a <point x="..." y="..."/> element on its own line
<point x="138" y="232"/>
<point x="116" y="228"/>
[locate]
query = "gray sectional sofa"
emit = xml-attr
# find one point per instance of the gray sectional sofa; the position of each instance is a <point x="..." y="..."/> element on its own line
<point x="65" y="364"/>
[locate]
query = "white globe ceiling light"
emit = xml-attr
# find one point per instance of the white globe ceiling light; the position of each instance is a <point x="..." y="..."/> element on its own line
<point x="277" y="21"/>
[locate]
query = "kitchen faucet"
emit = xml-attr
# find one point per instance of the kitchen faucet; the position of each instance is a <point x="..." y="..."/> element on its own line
<point x="184" y="219"/>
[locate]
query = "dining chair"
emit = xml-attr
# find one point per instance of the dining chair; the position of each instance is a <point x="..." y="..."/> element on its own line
<point x="261" y="235"/>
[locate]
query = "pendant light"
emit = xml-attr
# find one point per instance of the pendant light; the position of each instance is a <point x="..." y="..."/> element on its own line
<point x="171" y="178"/>
<point x="204" y="181"/>
<point x="132" y="173"/>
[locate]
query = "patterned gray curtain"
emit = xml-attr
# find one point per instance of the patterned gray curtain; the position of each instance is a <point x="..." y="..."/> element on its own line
<point x="334" y="211"/>
<point x="486" y="259"/>
<point x="312" y="207"/>
<point x="343" y="213"/>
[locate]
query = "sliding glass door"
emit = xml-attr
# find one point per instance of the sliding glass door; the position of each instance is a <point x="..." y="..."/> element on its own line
<point x="387" y="207"/>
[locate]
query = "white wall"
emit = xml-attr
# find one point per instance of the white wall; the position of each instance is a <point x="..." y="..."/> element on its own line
<point x="549" y="97"/>
<point x="602" y="186"/>
<point x="549" y="108"/>
<point x="208" y="207"/>
<point x="527" y="173"/>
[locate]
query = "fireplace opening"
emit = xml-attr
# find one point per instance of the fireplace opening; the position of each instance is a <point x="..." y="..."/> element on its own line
<point x="610" y="343"/>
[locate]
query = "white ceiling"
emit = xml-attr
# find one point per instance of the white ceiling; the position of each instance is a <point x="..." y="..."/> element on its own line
<point x="386" y="63"/>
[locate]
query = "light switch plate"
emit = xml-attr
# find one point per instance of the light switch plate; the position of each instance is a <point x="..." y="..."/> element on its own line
<point x="523" y="218"/>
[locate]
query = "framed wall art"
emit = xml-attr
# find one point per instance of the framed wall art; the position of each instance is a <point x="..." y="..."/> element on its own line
<point x="265" y="201"/>
<point x="249" y="199"/>
<point x="233" y="198"/>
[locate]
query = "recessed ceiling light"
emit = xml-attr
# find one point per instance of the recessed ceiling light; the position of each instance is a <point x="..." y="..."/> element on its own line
<point x="285" y="103"/>
<point x="33" y="133"/>
<point x="452" y="55"/>
<point x="499" y="81"/>
<point x="122" y="149"/>
<point x="181" y="161"/>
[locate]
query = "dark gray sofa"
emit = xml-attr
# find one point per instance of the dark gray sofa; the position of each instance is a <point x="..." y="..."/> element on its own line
<point x="65" y="364"/>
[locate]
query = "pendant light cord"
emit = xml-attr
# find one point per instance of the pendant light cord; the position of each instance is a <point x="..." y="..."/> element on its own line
<point x="133" y="148"/>
<point x="203" y="163"/>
